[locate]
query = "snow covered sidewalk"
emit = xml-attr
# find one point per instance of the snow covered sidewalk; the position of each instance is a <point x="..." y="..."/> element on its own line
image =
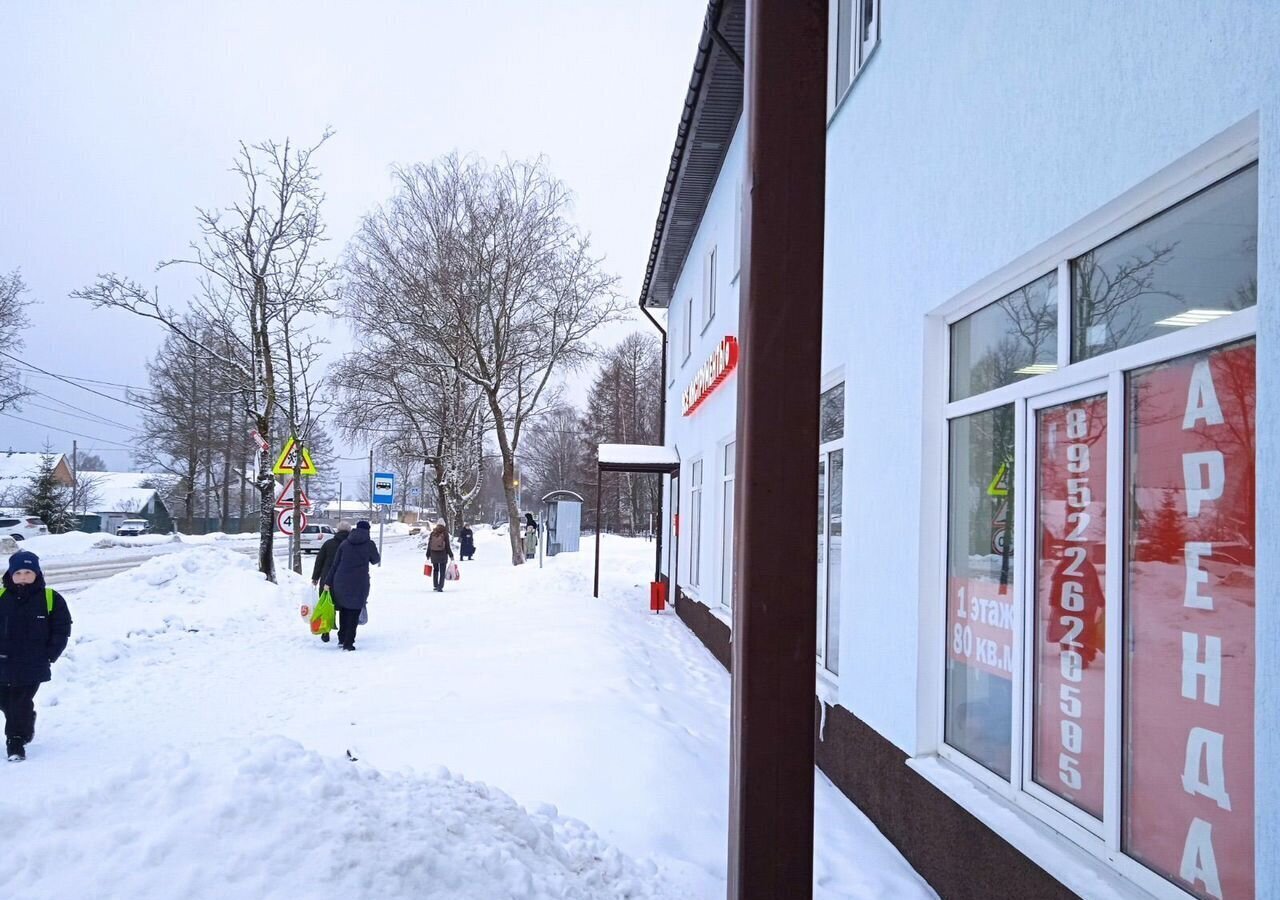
<point x="195" y="743"/>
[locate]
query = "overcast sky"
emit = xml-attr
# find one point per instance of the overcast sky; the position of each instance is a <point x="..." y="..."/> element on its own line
<point x="117" y="119"/>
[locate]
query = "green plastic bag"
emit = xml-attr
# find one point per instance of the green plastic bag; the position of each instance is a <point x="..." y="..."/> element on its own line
<point x="322" y="617"/>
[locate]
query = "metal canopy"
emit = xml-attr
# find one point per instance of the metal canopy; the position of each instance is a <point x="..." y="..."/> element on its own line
<point x="640" y="459"/>
<point x="557" y="496"/>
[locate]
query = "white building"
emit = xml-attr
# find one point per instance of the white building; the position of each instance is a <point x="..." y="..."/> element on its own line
<point x="1049" y="652"/>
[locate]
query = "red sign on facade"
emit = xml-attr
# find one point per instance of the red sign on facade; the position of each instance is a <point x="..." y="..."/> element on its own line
<point x="1070" y="657"/>
<point x="712" y="374"/>
<point x="1190" y="594"/>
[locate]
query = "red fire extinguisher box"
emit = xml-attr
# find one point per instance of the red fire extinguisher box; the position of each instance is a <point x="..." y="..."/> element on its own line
<point x="657" y="595"/>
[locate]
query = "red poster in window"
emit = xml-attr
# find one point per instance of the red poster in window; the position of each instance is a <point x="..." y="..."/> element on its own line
<point x="1189" y="665"/>
<point x="1070" y="636"/>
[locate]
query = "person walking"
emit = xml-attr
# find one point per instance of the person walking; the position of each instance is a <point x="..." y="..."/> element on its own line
<point x="325" y="557"/>
<point x="35" y="625"/>
<point x="466" y="542"/>
<point x="440" y="552"/>
<point x="348" y="579"/>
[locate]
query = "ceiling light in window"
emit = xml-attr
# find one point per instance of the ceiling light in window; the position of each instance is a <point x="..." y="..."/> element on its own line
<point x="1037" y="369"/>
<point x="1193" y="317"/>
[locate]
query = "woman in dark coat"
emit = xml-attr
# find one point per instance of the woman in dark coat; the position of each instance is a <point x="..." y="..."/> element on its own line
<point x="34" y="627"/>
<point x="440" y="552"/>
<point x="348" y="580"/>
<point x="467" y="542"/>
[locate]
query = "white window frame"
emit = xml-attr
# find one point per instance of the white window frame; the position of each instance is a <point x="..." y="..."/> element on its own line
<point x="686" y="333"/>
<point x="824" y="588"/>
<point x="709" y="287"/>
<point x="696" y="496"/>
<point x="738" y="210"/>
<point x="1233" y="150"/>
<point x="728" y="481"/>
<point x="848" y="55"/>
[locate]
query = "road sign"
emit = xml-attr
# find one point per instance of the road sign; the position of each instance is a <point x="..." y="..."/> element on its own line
<point x="288" y="518"/>
<point x="292" y="496"/>
<point x="258" y="439"/>
<point x="999" y="486"/>
<point x="384" y="488"/>
<point x="288" y="459"/>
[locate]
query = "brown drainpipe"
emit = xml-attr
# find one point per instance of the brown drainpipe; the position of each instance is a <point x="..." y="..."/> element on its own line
<point x="662" y="435"/>
<point x="780" y="325"/>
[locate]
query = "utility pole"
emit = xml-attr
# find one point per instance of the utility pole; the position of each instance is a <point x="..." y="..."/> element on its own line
<point x="339" y="499"/>
<point x="75" y="477"/>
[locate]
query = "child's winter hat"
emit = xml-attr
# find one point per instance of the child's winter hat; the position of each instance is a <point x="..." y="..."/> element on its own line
<point x="24" y="559"/>
<point x="363" y="523"/>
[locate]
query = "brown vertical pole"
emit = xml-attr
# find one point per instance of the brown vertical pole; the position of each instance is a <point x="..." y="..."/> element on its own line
<point x="780" y="325"/>
<point x="595" y="591"/>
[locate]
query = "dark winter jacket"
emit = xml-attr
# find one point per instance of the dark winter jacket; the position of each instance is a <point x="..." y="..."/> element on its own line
<point x="439" y="542"/>
<point x="348" y="574"/>
<point x="467" y="541"/>
<point x="325" y="557"/>
<point x="31" y="638"/>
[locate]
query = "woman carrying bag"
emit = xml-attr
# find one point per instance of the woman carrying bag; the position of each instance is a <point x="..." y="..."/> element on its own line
<point x="348" y="580"/>
<point x="440" y="552"/>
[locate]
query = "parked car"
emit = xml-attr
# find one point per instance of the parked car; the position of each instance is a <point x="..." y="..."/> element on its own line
<point x="19" y="527"/>
<point x="133" y="528"/>
<point x="314" y="536"/>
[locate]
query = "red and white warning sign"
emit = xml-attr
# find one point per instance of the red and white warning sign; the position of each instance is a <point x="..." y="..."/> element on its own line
<point x="289" y="520"/>
<point x="292" y="496"/>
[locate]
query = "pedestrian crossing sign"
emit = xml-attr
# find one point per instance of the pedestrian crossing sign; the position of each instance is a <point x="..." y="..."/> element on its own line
<point x="288" y="459"/>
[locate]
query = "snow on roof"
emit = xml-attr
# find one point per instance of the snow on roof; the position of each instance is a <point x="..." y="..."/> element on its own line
<point x="22" y="466"/>
<point x="122" y="491"/>
<point x="646" y="455"/>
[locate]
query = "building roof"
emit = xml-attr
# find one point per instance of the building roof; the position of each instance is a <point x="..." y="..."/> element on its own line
<point x="19" y="467"/>
<point x="712" y="107"/>
<point x="117" y="492"/>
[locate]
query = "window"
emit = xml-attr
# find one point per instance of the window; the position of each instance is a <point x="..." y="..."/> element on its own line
<point x="830" y="524"/>
<point x="1100" y="545"/>
<point x="695" y="525"/>
<point x="857" y="33"/>
<point x="1012" y="339"/>
<point x="709" y="288"/>
<point x="1192" y="264"/>
<point x="686" y="334"/>
<point x="728" y="580"/>
<point x="737" y="230"/>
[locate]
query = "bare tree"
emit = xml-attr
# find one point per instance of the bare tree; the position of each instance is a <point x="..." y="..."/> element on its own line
<point x="13" y="322"/>
<point x="478" y="268"/>
<point x="88" y="462"/>
<point x="260" y="274"/>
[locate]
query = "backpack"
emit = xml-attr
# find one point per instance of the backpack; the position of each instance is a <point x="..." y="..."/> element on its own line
<point x="48" y="599"/>
<point x="439" y="543"/>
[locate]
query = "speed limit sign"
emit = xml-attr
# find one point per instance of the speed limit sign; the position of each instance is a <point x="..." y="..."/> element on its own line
<point x="290" y="519"/>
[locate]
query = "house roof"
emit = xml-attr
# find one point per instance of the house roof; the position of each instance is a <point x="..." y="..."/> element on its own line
<point x="21" y="466"/>
<point x="712" y="107"/>
<point x="118" y="492"/>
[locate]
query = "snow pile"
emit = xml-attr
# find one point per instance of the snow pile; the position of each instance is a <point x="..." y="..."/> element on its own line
<point x="73" y="543"/>
<point x="107" y="541"/>
<point x="277" y="820"/>
<point x="214" y="537"/>
<point x="201" y="574"/>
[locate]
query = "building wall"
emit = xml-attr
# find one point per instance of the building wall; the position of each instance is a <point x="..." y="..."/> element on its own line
<point x="703" y="434"/>
<point x="977" y="132"/>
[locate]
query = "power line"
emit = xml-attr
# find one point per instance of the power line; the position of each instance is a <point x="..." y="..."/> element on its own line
<point x="89" y="437"/>
<point x="64" y="378"/>
<point x="88" y="414"/>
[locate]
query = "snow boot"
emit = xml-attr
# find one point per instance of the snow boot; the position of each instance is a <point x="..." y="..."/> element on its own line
<point x="16" y="749"/>
<point x="325" y="637"/>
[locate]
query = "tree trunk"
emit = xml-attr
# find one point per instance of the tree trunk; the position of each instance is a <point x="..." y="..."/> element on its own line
<point x="266" y="508"/>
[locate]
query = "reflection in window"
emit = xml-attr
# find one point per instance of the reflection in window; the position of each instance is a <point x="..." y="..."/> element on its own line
<point x="980" y="570"/>
<point x="835" y="538"/>
<point x="831" y="414"/>
<point x="1009" y="340"/>
<point x="1190" y="593"/>
<point x="1190" y="265"/>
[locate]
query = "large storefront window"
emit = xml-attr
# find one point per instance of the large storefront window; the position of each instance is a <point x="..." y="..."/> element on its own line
<point x="830" y="524"/>
<point x="1099" y="662"/>
<point x="980" y="596"/>
<point x="1189" y="622"/>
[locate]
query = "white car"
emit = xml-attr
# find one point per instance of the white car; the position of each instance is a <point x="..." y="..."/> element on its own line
<point x="133" y="528"/>
<point x="19" y="527"/>
<point x="314" y="536"/>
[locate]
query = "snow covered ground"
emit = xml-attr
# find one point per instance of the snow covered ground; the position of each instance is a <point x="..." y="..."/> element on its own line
<point x="196" y="742"/>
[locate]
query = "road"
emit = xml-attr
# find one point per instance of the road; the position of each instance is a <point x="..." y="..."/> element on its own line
<point x="70" y="579"/>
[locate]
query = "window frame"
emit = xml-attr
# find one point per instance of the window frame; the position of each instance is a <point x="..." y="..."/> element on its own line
<point x="847" y="62"/>
<point x="727" y="482"/>
<point x="1231" y="152"/>
<point x="825" y="450"/>
<point x="697" y="474"/>
<point x="709" y="261"/>
<point x="686" y="332"/>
